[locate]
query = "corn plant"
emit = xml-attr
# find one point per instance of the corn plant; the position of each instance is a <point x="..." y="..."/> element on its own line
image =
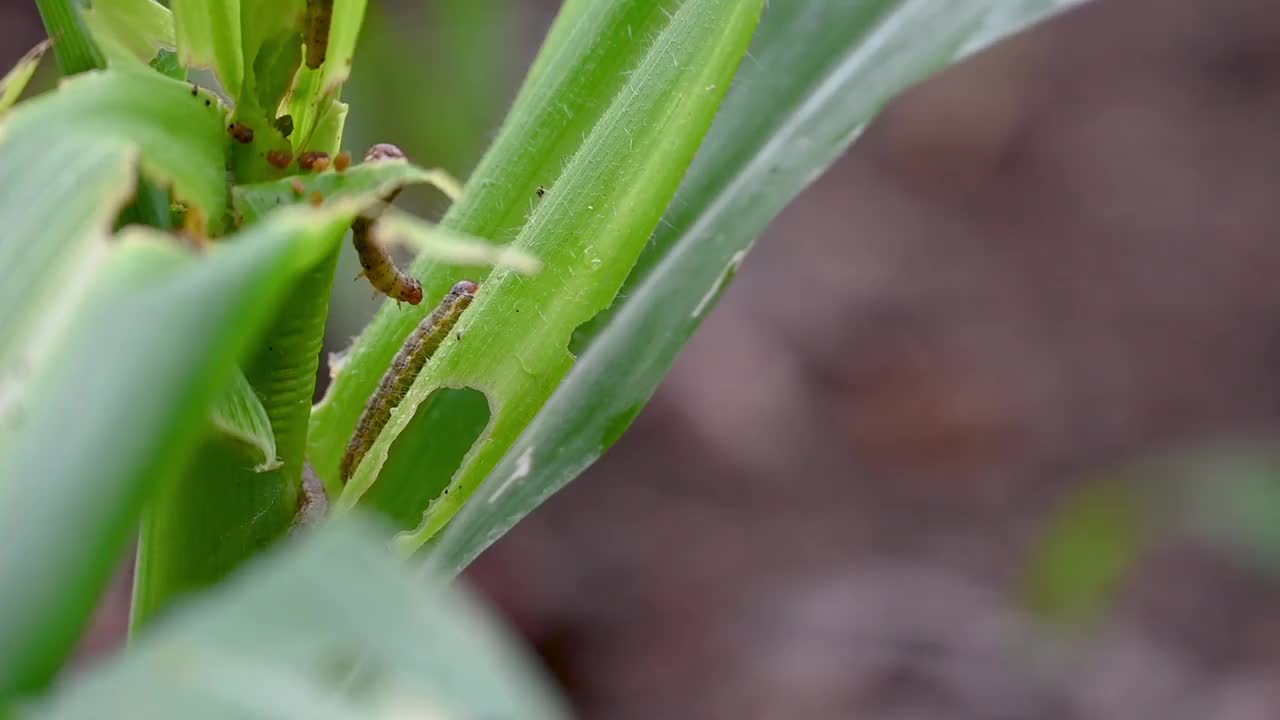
<point x="172" y="217"/>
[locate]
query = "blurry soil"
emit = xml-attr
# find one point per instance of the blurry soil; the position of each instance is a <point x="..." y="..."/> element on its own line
<point x="1052" y="258"/>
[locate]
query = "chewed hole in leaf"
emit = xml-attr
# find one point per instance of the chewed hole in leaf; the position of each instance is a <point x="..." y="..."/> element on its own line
<point x="459" y="417"/>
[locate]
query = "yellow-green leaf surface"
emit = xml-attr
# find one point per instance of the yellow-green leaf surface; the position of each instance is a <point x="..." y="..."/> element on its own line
<point x="116" y="409"/>
<point x="330" y="628"/>
<point x="209" y="36"/>
<point x="178" y="129"/>
<point x="15" y="81"/>
<point x="131" y="30"/>
<point x="588" y="231"/>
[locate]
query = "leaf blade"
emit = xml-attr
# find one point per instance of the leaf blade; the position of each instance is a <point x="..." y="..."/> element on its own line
<point x="819" y="74"/>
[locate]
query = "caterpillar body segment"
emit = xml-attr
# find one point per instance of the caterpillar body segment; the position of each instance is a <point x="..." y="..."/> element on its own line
<point x="319" y="17"/>
<point x="413" y="356"/>
<point x="379" y="268"/>
<point x="375" y="260"/>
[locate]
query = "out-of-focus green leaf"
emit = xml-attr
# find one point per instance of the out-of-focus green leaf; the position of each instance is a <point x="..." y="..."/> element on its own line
<point x="209" y="36"/>
<point x="178" y="128"/>
<point x="119" y="405"/>
<point x="818" y="71"/>
<point x="239" y="415"/>
<point x="1079" y="561"/>
<point x="330" y="628"/>
<point x="131" y="30"/>
<point x="15" y="81"/>
<point x="72" y="46"/>
<point x="56" y="210"/>
<point x="1229" y="496"/>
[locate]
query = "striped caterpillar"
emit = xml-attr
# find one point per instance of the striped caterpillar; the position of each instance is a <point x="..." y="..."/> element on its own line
<point x="376" y="261"/>
<point x="319" y="16"/>
<point x="413" y="356"/>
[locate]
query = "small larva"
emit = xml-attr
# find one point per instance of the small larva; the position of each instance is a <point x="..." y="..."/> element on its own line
<point x="377" y="263"/>
<point x="342" y="161"/>
<point x="313" y="503"/>
<point x="241" y="132"/>
<point x="319" y="15"/>
<point x="314" y="161"/>
<point x="413" y="356"/>
<point x="541" y="191"/>
<point x="379" y="267"/>
<point x="279" y="159"/>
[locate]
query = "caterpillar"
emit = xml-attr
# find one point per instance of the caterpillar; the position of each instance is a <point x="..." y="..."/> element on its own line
<point x="375" y="260"/>
<point x="413" y="356"/>
<point x="241" y="132"/>
<point x="319" y="16"/>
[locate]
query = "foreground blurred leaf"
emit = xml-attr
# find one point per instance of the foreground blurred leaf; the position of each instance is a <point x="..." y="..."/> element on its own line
<point x="328" y="628"/>
<point x="179" y="130"/>
<point x="239" y="415"/>
<point x="118" y="406"/>
<point x="15" y="81"/>
<point x="57" y="208"/>
<point x="818" y="71"/>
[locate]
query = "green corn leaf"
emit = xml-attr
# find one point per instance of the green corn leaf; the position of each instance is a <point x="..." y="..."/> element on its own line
<point x="73" y="46"/>
<point x="588" y="231"/>
<point x="332" y="627"/>
<point x="131" y="30"/>
<point x="586" y="61"/>
<point x="179" y="129"/>
<point x="316" y="90"/>
<point x="209" y="36"/>
<point x="818" y="72"/>
<point x="253" y="202"/>
<point x="109" y="415"/>
<point x="15" y="81"/>
<point x="238" y="414"/>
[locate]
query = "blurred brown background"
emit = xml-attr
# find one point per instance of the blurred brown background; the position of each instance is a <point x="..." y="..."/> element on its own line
<point x="1045" y="262"/>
